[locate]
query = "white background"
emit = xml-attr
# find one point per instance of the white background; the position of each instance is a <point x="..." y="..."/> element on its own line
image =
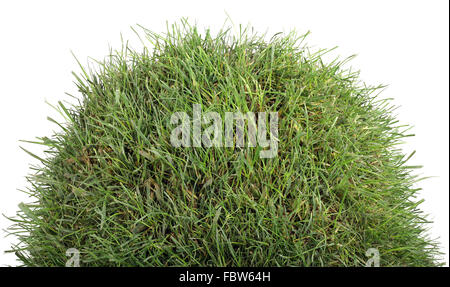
<point x="403" y="44"/>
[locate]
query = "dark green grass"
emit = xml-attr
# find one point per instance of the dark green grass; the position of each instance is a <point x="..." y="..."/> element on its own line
<point x="113" y="187"/>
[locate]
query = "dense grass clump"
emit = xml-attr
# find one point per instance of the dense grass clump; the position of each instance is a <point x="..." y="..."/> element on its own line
<point x="116" y="189"/>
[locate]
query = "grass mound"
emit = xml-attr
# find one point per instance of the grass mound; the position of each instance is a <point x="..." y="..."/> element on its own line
<point x="117" y="190"/>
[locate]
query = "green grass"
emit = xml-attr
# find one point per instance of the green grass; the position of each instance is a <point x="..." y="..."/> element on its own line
<point x="114" y="187"/>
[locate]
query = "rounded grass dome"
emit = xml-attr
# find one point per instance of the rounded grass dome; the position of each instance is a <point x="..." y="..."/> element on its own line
<point x="137" y="177"/>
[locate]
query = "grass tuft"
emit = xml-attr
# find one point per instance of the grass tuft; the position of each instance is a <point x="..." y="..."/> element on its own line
<point x="113" y="187"/>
